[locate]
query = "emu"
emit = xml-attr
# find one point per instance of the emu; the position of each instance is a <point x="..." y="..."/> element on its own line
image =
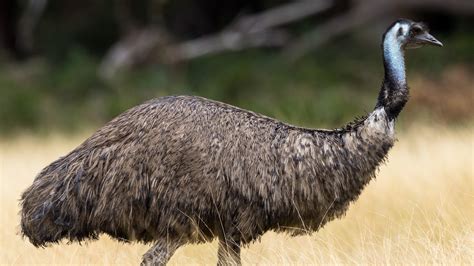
<point x="183" y="169"/>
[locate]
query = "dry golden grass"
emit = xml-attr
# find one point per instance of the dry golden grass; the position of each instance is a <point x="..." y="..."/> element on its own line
<point x="419" y="210"/>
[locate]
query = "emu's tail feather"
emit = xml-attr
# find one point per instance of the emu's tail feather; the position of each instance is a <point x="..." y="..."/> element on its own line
<point x="49" y="209"/>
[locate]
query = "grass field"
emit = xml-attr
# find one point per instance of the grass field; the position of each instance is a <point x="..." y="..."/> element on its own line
<point x="419" y="210"/>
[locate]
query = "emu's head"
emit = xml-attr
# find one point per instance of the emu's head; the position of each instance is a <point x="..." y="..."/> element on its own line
<point x="408" y="34"/>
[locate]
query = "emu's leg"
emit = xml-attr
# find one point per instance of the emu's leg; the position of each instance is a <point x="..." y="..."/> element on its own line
<point x="160" y="253"/>
<point x="229" y="250"/>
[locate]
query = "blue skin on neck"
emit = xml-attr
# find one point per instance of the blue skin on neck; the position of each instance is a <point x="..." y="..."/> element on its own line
<point x="394" y="92"/>
<point x="394" y="59"/>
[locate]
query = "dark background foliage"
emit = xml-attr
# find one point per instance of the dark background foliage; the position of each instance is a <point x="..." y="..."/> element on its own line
<point x="52" y="53"/>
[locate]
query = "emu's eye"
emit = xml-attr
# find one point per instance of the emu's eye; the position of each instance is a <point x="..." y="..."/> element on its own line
<point x="415" y="30"/>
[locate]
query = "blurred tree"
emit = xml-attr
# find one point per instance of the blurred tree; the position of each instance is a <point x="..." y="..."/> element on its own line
<point x="216" y="26"/>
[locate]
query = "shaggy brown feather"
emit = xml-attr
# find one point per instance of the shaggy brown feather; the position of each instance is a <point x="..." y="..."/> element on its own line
<point x="181" y="166"/>
<point x="185" y="169"/>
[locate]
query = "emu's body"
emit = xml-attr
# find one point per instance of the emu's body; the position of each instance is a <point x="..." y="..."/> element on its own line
<point x="184" y="169"/>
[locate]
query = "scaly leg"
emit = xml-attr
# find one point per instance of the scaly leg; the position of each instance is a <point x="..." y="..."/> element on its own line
<point x="160" y="253"/>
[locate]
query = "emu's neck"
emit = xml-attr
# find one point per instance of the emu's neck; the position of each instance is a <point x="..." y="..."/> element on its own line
<point x="394" y="92"/>
<point x="394" y="60"/>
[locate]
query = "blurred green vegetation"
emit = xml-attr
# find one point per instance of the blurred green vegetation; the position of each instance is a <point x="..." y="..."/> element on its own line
<point x="327" y="88"/>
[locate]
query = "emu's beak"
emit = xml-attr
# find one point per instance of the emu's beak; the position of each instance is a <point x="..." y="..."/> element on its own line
<point x="427" y="38"/>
